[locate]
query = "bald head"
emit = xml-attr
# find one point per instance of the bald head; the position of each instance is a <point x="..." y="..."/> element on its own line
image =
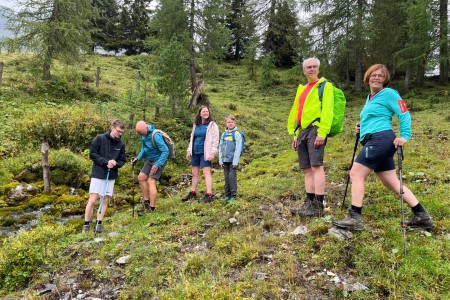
<point x="141" y="128"/>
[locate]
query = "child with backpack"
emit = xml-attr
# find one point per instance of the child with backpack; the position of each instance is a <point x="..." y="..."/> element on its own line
<point x="230" y="149"/>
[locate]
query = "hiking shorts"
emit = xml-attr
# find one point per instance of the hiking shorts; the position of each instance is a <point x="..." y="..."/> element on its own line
<point x="198" y="160"/>
<point x="308" y="155"/>
<point x="378" y="151"/>
<point x="148" y="167"/>
<point x="97" y="186"/>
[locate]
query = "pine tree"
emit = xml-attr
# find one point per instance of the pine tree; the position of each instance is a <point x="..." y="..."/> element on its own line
<point x="52" y="29"/>
<point x="105" y="33"/>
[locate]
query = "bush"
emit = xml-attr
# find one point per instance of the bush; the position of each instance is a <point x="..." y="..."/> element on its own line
<point x="71" y="127"/>
<point x="26" y="254"/>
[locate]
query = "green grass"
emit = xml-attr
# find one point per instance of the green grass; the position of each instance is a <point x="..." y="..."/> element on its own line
<point x="192" y="251"/>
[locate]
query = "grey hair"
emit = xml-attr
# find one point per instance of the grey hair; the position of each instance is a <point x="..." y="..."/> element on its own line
<point x="311" y="58"/>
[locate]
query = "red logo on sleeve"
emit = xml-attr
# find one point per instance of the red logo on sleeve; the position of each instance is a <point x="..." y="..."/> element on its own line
<point x="402" y="106"/>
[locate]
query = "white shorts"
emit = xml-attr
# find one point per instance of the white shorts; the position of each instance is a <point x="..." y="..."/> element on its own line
<point x="98" y="186"/>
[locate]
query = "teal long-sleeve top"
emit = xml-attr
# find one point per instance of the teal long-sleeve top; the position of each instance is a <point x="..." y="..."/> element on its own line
<point x="377" y="114"/>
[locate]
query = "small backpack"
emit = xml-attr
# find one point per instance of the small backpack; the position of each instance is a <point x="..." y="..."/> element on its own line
<point x="167" y="140"/>
<point x="233" y="133"/>
<point x="338" y="110"/>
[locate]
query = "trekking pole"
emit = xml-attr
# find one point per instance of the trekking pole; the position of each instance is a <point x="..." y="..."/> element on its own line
<point x="348" y="175"/>
<point x="132" y="189"/>
<point x="104" y="194"/>
<point x="400" y="159"/>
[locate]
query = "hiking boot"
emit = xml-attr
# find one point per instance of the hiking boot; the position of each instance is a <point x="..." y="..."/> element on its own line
<point x="206" y="199"/>
<point x="309" y="209"/>
<point x="98" y="228"/>
<point x="189" y="196"/>
<point x="144" y="209"/>
<point x="420" y="219"/>
<point x="353" y="221"/>
<point x="85" y="228"/>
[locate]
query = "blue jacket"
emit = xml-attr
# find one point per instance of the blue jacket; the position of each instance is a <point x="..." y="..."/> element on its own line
<point x="229" y="150"/>
<point x="377" y="114"/>
<point x="159" y="155"/>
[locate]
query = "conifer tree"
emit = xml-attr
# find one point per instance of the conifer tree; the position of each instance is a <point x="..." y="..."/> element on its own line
<point x="52" y="29"/>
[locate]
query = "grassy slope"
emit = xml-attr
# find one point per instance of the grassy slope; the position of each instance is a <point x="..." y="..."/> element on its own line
<point x="192" y="251"/>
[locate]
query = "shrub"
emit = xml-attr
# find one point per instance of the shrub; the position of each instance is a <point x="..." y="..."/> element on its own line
<point x="27" y="253"/>
<point x="72" y="127"/>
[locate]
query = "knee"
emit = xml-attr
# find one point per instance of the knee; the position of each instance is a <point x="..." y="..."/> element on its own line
<point x="142" y="177"/>
<point x="355" y="176"/>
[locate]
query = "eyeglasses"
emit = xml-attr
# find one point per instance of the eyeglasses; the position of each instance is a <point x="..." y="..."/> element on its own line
<point x="312" y="67"/>
<point x="121" y="131"/>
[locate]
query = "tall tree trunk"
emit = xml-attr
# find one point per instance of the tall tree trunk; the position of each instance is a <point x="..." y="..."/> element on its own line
<point x="407" y="78"/>
<point x="46" y="75"/>
<point x="420" y="76"/>
<point x="359" y="48"/>
<point x="443" y="42"/>
<point x="45" y="167"/>
<point x="191" y="36"/>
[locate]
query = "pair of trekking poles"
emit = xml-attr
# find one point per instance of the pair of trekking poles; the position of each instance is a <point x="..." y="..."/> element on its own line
<point x="400" y="168"/>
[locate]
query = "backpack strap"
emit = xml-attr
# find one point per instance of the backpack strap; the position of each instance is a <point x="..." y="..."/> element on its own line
<point x="321" y="87"/>
<point x="155" y="131"/>
<point x="233" y="135"/>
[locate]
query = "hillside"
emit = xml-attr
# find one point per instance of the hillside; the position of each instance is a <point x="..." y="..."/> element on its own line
<point x="253" y="249"/>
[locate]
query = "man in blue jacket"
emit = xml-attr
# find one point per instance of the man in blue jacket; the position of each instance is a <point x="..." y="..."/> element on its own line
<point x="156" y="153"/>
<point x="108" y="154"/>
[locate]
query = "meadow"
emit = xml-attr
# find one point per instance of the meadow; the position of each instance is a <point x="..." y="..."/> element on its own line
<point x="247" y="250"/>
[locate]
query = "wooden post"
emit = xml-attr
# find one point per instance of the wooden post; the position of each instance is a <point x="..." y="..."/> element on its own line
<point x="45" y="167"/>
<point x="97" y="77"/>
<point x="1" y="72"/>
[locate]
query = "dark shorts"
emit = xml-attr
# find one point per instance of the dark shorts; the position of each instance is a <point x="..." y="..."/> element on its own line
<point x="198" y="160"/>
<point x="378" y="151"/>
<point x="148" y="166"/>
<point x="308" y="155"/>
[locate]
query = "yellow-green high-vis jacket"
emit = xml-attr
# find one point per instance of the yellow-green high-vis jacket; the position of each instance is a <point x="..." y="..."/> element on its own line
<point x="321" y="114"/>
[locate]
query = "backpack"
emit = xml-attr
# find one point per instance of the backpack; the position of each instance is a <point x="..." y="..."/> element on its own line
<point x="233" y="133"/>
<point x="338" y="110"/>
<point x="167" y="140"/>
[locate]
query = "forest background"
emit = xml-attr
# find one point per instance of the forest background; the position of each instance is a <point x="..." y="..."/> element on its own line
<point x="242" y="57"/>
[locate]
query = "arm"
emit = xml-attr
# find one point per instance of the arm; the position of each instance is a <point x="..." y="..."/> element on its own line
<point x="238" y="149"/>
<point x="122" y="158"/>
<point x="94" y="152"/>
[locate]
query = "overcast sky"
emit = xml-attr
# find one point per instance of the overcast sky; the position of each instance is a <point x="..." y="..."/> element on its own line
<point x="8" y="3"/>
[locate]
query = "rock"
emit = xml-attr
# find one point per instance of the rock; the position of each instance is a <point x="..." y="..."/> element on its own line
<point x="47" y="289"/>
<point x="232" y="220"/>
<point x="113" y="234"/>
<point x="123" y="260"/>
<point x="17" y="194"/>
<point x="355" y="287"/>
<point x="300" y="230"/>
<point x="340" y="234"/>
<point x="260" y="276"/>
<point x="30" y="189"/>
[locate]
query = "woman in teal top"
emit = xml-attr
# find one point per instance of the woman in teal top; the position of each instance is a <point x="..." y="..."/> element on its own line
<point x="380" y="143"/>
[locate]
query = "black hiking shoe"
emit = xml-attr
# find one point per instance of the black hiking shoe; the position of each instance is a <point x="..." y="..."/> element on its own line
<point x="309" y="209"/>
<point x="85" y="228"/>
<point x="206" y="199"/>
<point x="420" y="219"/>
<point x="189" y="196"/>
<point x="144" y="209"/>
<point x="98" y="228"/>
<point x="353" y="221"/>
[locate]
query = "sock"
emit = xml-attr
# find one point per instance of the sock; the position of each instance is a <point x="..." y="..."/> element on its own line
<point x="152" y="208"/>
<point x="99" y="222"/>
<point x="148" y="201"/>
<point x="418" y="208"/>
<point x="320" y="198"/>
<point x="209" y="194"/>
<point x="311" y="196"/>
<point x="193" y="192"/>
<point x="357" y="209"/>
<point x="87" y="222"/>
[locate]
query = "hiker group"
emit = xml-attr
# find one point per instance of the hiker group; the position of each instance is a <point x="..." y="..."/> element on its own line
<point x="316" y="114"/>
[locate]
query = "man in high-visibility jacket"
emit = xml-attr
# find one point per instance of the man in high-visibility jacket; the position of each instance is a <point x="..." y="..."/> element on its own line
<point x="310" y="122"/>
